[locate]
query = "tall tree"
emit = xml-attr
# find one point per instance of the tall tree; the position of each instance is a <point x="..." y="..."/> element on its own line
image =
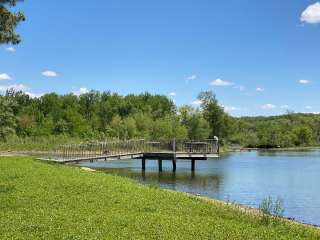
<point x="198" y="128"/>
<point x="218" y="120"/>
<point x="9" y="21"/>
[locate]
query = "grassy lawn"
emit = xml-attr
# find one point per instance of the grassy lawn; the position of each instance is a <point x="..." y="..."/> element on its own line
<point x="48" y="201"/>
<point x="14" y="143"/>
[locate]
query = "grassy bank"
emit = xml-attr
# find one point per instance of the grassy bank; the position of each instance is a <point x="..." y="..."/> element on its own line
<point x="48" y="201"/>
<point x="14" y="143"/>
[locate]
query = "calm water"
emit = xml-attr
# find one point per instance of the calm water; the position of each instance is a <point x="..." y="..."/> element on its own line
<point x="245" y="178"/>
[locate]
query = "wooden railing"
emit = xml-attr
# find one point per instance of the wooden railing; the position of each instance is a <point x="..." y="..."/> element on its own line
<point x="115" y="148"/>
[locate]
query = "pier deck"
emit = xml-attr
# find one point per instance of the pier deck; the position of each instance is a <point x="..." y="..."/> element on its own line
<point x="137" y="149"/>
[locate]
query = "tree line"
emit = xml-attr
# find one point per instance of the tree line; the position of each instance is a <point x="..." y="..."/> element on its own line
<point x="105" y="115"/>
<point x="287" y="130"/>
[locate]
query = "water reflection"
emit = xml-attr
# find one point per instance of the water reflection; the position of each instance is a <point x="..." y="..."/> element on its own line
<point x="174" y="180"/>
<point x="246" y="178"/>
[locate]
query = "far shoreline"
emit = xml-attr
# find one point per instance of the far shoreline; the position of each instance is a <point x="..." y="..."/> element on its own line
<point x="248" y="149"/>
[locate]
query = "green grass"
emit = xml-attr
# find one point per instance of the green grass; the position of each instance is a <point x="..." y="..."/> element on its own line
<point x="15" y="143"/>
<point x="49" y="201"/>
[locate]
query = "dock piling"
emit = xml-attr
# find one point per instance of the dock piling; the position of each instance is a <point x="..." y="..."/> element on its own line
<point x="193" y="165"/>
<point x="143" y="160"/>
<point x="174" y="160"/>
<point x="160" y="165"/>
<point x="174" y="165"/>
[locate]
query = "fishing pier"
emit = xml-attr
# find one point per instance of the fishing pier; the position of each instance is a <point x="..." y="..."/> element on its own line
<point x="163" y="150"/>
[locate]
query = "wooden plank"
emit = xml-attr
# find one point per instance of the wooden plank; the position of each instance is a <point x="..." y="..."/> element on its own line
<point x="104" y="157"/>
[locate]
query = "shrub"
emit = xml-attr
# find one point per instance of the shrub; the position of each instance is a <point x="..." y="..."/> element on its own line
<point x="271" y="209"/>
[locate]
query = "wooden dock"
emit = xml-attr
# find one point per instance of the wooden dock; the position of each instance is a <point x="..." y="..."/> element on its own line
<point x="137" y="149"/>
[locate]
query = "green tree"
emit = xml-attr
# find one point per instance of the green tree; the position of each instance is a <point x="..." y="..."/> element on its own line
<point x="168" y="128"/>
<point x="75" y="124"/>
<point x="198" y="128"/>
<point x="129" y="128"/>
<point x="25" y="124"/>
<point x="115" y="128"/>
<point x="196" y="125"/>
<point x="89" y="104"/>
<point x="144" y="124"/>
<point x="218" y="120"/>
<point x="304" y="135"/>
<point x="9" y="21"/>
<point x="7" y="119"/>
<point x="61" y="127"/>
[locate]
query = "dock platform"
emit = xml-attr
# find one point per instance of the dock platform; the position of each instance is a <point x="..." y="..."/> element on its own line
<point x="137" y="149"/>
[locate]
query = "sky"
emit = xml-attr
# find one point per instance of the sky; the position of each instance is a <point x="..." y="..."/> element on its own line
<point x="258" y="57"/>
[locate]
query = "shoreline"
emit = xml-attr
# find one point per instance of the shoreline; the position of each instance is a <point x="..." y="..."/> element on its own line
<point x="246" y="209"/>
<point x="236" y="206"/>
<point x="245" y="149"/>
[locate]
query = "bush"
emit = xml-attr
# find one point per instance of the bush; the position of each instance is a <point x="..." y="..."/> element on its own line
<point x="271" y="209"/>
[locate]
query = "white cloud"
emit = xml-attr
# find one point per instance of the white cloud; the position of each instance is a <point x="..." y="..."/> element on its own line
<point x="284" y="106"/>
<point x="192" y="77"/>
<point x="259" y="89"/>
<point x="311" y="14"/>
<point x="303" y="81"/>
<point x="172" y="94"/>
<point x="4" y="76"/>
<point x="49" y="73"/>
<point x="220" y="82"/>
<point x="81" y="91"/>
<point x="11" y="49"/>
<point x="268" y="106"/>
<point x="308" y="107"/>
<point x="16" y="87"/>
<point x="197" y="102"/>
<point x="311" y="112"/>
<point x="231" y="108"/>
<point x="34" y="95"/>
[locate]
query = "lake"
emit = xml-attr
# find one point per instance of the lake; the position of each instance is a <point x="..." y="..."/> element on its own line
<point x="246" y="178"/>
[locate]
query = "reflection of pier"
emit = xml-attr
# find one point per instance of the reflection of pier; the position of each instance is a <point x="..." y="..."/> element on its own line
<point x="191" y="182"/>
<point x="160" y="151"/>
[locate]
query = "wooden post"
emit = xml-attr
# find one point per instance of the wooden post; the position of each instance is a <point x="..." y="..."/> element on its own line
<point x="143" y="164"/>
<point x="174" y="161"/>
<point x="193" y="165"/>
<point x="160" y="165"/>
<point x="174" y="165"/>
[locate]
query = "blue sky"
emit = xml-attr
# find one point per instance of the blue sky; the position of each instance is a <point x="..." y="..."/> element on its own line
<point x="252" y="54"/>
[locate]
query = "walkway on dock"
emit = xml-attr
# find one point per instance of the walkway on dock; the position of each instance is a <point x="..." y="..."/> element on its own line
<point x="164" y="150"/>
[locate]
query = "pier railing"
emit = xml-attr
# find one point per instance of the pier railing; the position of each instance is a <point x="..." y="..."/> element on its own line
<point x="116" y="148"/>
